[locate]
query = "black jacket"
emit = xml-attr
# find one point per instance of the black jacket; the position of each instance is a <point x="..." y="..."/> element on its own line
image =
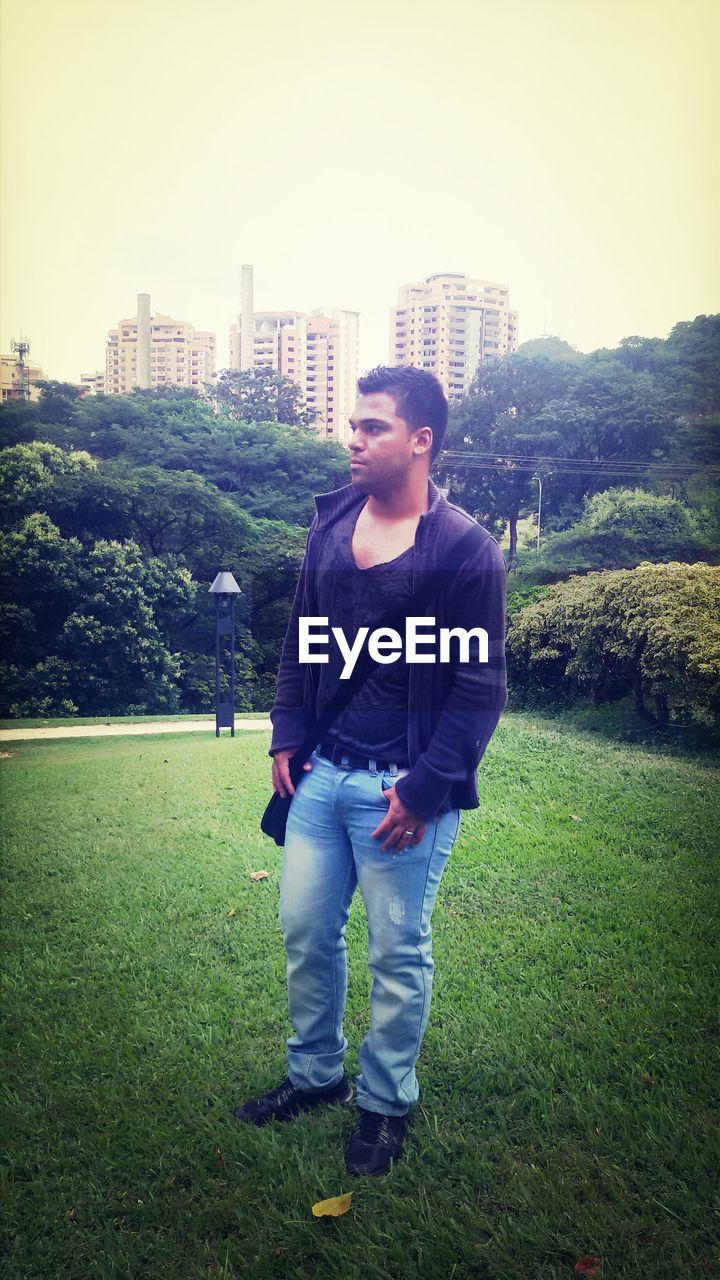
<point x="453" y="708"/>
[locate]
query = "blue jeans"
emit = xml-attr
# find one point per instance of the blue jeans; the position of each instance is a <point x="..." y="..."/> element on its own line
<point x="328" y="852"/>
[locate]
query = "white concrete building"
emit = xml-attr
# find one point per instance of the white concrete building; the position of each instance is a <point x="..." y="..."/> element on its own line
<point x="318" y="351"/>
<point x="448" y="323"/>
<point x="156" y="351"/>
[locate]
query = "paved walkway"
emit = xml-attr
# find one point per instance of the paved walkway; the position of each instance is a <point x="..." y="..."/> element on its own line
<point x="118" y="730"/>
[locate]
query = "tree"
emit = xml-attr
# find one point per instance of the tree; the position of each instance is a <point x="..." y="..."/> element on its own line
<point x="270" y="469"/>
<point x="685" y="366"/>
<point x="619" y="529"/>
<point x="58" y="400"/>
<point x="550" y="348"/>
<point x="498" y="418"/>
<point x="694" y="348"/>
<point x="577" y="413"/>
<point x="87" y="630"/>
<point x="261" y="395"/>
<point x="178" y="521"/>
<point x="29" y="476"/>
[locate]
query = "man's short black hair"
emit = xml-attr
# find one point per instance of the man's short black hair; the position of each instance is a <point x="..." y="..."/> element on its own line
<point x="419" y="398"/>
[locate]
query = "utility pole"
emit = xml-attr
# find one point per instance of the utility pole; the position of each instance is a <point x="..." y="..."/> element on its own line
<point x="540" y="477"/>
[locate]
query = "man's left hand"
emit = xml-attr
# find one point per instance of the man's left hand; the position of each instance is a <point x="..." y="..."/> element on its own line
<point x="396" y="825"/>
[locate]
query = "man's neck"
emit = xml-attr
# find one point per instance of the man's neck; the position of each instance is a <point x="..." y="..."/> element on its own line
<point x="403" y="504"/>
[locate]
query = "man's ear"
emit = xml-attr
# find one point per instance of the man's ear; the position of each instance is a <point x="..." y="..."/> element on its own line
<point x="423" y="440"/>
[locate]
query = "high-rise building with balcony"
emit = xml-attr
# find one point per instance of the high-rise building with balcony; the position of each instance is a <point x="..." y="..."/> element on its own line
<point x="318" y="351"/>
<point x="157" y="351"/>
<point x="448" y="323"/>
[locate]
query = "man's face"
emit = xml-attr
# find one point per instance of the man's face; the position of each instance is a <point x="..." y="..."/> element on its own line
<point x="382" y="447"/>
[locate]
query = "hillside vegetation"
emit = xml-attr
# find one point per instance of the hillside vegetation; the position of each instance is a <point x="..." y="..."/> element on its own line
<point x="119" y="511"/>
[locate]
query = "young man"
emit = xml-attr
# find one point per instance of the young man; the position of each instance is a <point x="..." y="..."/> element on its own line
<point x="379" y="803"/>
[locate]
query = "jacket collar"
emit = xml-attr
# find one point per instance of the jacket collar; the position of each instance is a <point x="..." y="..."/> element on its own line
<point x="331" y="506"/>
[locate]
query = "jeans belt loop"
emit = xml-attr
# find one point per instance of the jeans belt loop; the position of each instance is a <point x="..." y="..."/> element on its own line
<point x="344" y="761"/>
<point x="392" y="769"/>
<point x="372" y="766"/>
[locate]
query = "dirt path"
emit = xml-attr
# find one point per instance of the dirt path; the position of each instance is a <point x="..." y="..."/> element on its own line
<point x="118" y="730"/>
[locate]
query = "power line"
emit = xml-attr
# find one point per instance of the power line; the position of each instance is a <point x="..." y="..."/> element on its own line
<point x="559" y="471"/>
<point x="499" y="456"/>
<point x="569" y="465"/>
<point x="594" y="466"/>
<point x="503" y="469"/>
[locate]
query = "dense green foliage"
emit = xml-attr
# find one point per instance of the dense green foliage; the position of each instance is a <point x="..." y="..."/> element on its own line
<point x="270" y="469"/>
<point x="87" y="624"/>
<point x="118" y="511"/>
<point x="653" y="630"/>
<point x="260" y="395"/>
<point x="620" y="528"/>
<point x="648" y="402"/>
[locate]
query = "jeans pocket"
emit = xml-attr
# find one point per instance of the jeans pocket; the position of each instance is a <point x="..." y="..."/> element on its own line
<point x="388" y="780"/>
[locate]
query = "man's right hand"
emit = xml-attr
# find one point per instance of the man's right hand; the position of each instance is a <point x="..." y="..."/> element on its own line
<point x="281" y="772"/>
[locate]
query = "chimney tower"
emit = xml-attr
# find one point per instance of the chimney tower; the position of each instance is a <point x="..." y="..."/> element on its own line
<point x="143" y="340"/>
<point x="246" y="318"/>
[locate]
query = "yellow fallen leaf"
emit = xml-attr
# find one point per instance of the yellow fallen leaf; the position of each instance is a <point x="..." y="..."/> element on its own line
<point x="232" y="911"/>
<point x="258" y="875"/>
<point x="589" y="1265"/>
<point x="333" y="1207"/>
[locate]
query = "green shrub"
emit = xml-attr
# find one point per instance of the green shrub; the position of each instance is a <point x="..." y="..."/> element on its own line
<point x="518" y="597"/>
<point x="654" y="630"/>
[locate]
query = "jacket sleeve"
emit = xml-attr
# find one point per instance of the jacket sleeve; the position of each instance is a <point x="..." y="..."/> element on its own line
<point x="289" y="716"/>
<point x="477" y="692"/>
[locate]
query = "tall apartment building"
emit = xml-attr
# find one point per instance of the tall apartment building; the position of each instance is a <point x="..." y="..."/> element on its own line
<point x="448" y="323"/>
<point x="318" y="351"/>
<point x="279" y="341"/>
<point x="157" y="351"/>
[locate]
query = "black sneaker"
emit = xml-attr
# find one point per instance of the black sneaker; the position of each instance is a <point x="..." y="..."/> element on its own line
<point x="376" y="1141"/>
<point x="286" y="1101"/>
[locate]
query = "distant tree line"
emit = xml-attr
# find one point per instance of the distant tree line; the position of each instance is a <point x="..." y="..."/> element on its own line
<point x="119" y="511"/>
<point x="613" y="418"/>
<point x="117" y="514"/>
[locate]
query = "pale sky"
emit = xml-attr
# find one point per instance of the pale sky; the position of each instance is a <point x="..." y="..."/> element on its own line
<point x="566" y="148"/>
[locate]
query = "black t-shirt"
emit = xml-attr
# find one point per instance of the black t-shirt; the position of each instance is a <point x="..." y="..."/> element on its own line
<point x="375" y="721"/>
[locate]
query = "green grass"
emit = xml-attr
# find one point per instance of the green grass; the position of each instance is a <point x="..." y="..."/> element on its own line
<point x="566" y="1075"/>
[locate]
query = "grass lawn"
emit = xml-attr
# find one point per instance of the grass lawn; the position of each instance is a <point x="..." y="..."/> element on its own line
<point x="566" y="1075"/>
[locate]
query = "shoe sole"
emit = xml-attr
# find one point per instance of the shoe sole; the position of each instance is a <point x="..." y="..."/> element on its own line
<point x="356" y="1172"/>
